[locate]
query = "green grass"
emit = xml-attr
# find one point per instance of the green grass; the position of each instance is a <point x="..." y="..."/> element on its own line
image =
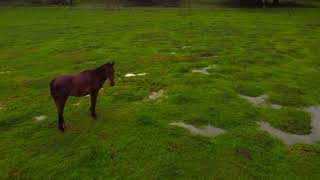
<point x="257" y="51"/>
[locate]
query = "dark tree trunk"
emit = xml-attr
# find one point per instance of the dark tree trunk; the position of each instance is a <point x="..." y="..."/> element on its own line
<point x="276" y="2"/>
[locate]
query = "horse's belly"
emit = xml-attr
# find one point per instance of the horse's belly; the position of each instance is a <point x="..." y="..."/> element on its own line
<point x="80" y="92"/>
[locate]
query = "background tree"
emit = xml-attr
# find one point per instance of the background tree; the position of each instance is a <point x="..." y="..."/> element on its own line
<point x="113" y="4"/>
<point x="156" y="2"/>
<point x="276" y="2"/>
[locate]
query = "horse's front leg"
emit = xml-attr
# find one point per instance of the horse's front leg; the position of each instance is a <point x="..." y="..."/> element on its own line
<point x="93" y="98"/>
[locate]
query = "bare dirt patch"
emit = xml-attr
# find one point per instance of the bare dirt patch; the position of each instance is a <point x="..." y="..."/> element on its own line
<point x="244" y="152"/>
<point x="103" y="135"/>
<point x="207" y="131"/>
<point x="289" y="138"/>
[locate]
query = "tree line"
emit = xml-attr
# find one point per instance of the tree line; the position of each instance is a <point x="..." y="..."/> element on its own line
<point x="144" y="2"/>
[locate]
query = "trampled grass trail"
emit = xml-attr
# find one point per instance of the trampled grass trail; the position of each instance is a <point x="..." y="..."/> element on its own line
<point x="253" y="52"/>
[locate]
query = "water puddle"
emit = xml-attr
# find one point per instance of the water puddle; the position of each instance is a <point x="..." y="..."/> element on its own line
<point x="260" y="101"/>
<point x="40" y="118"/>
<point x="76" y="104"/>
<point x="256" y="101"/>
<point x="276" y="106"/>
<point x="5" y="72"/>
<point x="156" y="94"/>
<point x="185" y="47"/>
<point x="289" y="138"/>
<point x="208" y="56"/>
<point x="90" y="62"/>
<point x="207" y="131"/>
<point x="133" y="75"/>
<point x="204" y="70"/>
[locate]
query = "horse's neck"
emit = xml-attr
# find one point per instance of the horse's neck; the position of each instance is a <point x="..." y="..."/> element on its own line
<point x="101" y="75"/>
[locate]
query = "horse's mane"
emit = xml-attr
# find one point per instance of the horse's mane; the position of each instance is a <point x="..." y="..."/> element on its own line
<point x="100" y="71"/>
<point x="101" y="68"/>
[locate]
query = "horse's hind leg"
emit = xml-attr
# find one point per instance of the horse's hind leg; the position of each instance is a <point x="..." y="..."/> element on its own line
<point x="93" y="97"/>
<point x="60" y="103"/>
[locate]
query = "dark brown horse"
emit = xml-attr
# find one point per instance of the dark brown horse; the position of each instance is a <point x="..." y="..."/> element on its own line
<point x="81" y="84"/>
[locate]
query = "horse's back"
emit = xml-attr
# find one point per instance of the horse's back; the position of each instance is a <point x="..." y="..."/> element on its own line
<point x="63" y="80"/>
<point x="61" y="85"/>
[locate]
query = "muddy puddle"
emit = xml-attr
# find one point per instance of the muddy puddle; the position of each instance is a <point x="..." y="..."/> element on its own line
<point x="276" y="106"/>
<point x="207" y="131"/>
<point x="260" y="101"/>
<point x="289" y="138"/>
<point x="205" y="69"/>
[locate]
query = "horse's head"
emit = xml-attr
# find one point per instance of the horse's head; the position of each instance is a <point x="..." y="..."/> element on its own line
<point x="110" y="72"/>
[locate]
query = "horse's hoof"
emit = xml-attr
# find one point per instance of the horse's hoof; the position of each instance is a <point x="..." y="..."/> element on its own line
<point x="61" y="128"/>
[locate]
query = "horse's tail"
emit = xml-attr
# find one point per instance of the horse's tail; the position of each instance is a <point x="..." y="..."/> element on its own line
<point x="52" y="88"/>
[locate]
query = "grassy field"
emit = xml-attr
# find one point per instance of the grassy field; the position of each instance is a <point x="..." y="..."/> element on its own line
<point x="256" y="51"/>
